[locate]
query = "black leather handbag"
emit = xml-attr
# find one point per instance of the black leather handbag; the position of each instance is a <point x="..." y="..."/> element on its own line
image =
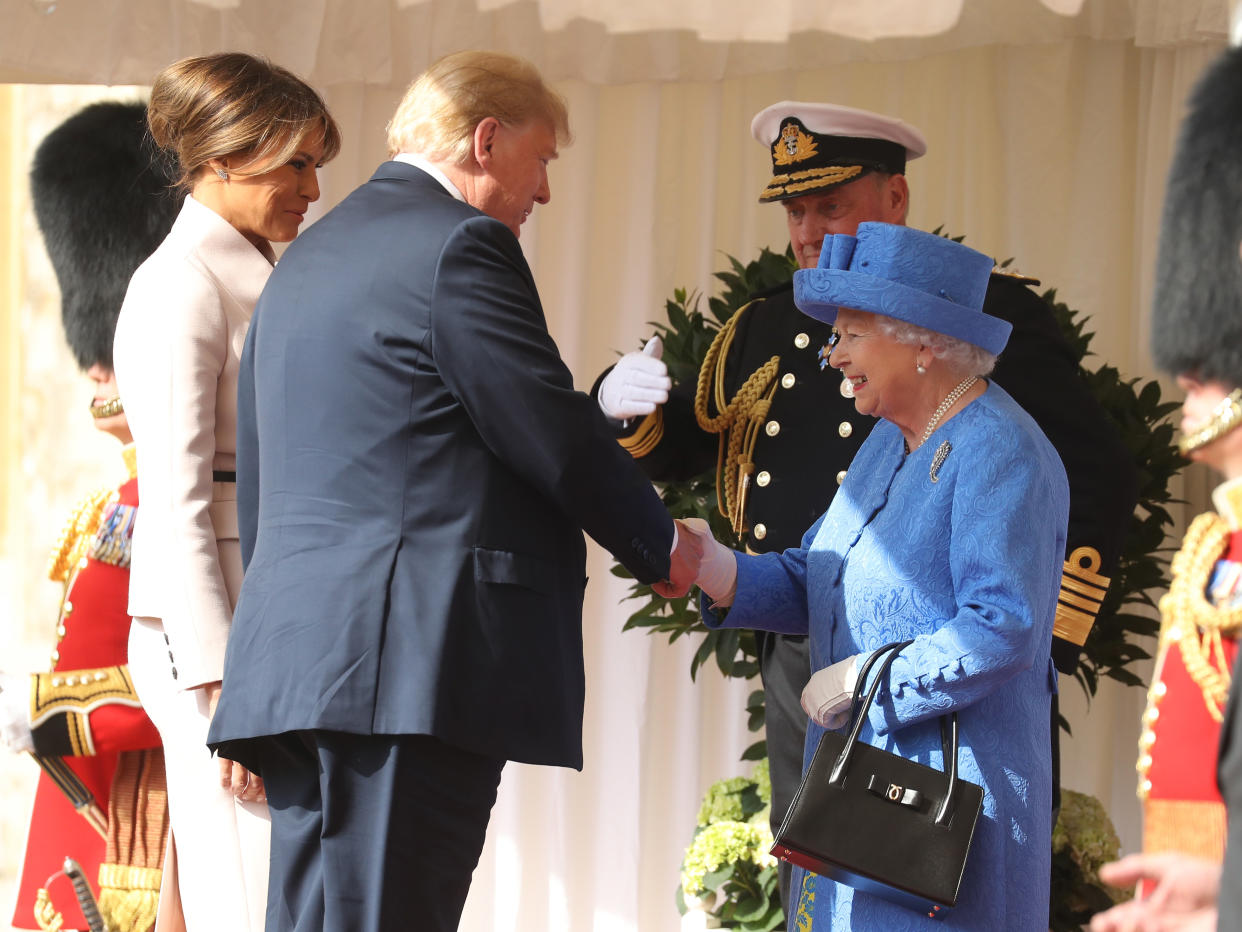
<point x="879" y="822"/>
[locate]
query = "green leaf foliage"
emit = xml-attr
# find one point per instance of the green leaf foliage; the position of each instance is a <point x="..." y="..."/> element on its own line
<point x="1142" y="416"/>
<point x="728" y="860"/>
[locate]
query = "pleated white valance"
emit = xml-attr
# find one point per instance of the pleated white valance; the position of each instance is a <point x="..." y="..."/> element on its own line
<point x="388" y="42"/>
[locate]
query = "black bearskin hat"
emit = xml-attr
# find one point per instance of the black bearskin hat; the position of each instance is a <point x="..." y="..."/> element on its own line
<point x="1197" y="312"/>
<point x="104" y="199"/>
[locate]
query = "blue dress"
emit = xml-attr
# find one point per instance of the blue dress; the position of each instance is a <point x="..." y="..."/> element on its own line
<point x="964" y="556"/>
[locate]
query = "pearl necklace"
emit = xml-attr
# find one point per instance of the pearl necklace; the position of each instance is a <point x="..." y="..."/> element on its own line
<point x="949" y="401"/>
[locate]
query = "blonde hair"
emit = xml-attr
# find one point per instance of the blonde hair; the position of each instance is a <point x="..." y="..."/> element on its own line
<point x="234" y="104"/>
<point x="439" y="113"/>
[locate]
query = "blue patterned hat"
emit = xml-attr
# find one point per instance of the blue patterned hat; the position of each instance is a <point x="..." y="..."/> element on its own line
<point x="906" y="274"/>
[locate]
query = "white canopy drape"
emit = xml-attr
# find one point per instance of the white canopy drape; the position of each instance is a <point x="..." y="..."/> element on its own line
<point x="1050" y="127"/>
<point x="389" y="41"/>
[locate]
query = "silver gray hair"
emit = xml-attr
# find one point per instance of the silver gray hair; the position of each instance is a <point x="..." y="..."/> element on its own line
<point x="961" y="357"/>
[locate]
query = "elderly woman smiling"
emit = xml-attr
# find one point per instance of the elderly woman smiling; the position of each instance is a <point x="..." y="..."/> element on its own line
<point x="949" y="531"/>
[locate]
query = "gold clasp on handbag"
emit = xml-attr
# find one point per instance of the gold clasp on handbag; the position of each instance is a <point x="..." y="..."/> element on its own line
<point x="901" y="795"/>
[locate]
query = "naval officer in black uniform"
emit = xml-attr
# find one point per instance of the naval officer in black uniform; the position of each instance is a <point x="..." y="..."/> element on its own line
<point x="790" y="430"/>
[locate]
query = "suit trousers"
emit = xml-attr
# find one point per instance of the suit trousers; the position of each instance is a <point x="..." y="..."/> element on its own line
<point x="373" y="832"/>
<point x="221" y="844"/>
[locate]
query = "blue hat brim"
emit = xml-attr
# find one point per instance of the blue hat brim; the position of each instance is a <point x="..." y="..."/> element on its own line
<point x="820" y="293"/>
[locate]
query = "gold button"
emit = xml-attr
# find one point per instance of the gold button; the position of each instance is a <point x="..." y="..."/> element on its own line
<point x="1160" y="689"/>
<point x="100" y="676"/>
<point x="1147" y="739"/>
<point x="55" y="656"/>
<point x="788" y="380"/>
<point x="763" y="478"/>
<point x="55" y="681"/>
<point x="1175" y="633"/>
<point x="68" y="607"/>
<point x="840" y="477"/>
<point x="1145" y="787"/>
<point x="760" y="532"/>
<point x="802" y="341"/>
<point x="82" y="563"/>
<point x="772" y="428"/>
<point x="71" y="681"/>
<point x="1144" y="763"/>
<point x="1150" y="716"/>
<point x="60" y="631"/>
<point x="845" y="428"/>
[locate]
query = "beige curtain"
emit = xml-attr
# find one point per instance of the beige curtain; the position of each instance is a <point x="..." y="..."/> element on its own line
<point x="1053" y="153"/>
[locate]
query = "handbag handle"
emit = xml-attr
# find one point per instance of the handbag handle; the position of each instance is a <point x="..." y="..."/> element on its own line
<point x="948" y="725"/>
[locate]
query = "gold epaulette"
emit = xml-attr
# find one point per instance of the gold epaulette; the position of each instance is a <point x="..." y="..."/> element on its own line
<point x="80" y="530"/>
<point x="74" y="694"/>
<point x="1082" y="591"/>
<point x="737" y="422"/>
<point x="645" y="439"/>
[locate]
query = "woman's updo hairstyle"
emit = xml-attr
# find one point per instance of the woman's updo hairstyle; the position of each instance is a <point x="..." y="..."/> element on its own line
<point x="234" y="104"/>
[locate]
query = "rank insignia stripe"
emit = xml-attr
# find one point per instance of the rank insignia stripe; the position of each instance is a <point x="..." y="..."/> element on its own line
<point x="647" y="437"/>
<point x="1082" y="592"/>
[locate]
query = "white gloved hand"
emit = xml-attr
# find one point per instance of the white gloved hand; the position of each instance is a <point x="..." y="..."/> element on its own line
<point x="718" y="569"/>
<point x="826" y="698"/>
<point x="636" y="384"/>
<point x="15" y="712"/>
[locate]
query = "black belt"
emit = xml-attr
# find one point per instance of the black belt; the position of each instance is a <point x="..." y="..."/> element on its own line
<point x="223" y="475"/>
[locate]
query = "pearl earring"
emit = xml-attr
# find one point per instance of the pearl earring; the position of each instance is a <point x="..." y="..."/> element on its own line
<point x="920" y="369"/>
<point x="222" y="174"/>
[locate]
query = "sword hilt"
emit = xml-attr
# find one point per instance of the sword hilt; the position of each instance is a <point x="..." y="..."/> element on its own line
<point x="86" y="896"/>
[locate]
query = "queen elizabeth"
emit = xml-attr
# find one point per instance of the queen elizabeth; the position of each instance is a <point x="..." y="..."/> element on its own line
<point x="948" y="531"/>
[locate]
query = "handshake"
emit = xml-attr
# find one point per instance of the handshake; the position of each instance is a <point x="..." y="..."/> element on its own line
<point x="637" y="384"/>
<point x="699" y="559"/>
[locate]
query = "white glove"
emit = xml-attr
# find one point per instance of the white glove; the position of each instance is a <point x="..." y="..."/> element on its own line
<point x="826" y="698"/>
<point x="718" y="569"/>
<point x="636" y="384"/>
<point x="15" y="712"/>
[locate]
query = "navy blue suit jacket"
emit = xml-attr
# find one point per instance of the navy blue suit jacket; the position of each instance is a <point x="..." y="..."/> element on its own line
<point x="415" y="470"/>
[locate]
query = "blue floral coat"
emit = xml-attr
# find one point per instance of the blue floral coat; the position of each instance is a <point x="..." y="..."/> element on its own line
<point x="958" y="546"/>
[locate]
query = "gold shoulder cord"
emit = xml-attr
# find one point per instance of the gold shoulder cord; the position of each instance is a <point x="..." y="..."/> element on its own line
<point x="78" y="533"/>
<point x="83" y="524"/>
<point x="1193" y="622"/>
<point x="1195" y="625"/>
<point x="738" y="422"/>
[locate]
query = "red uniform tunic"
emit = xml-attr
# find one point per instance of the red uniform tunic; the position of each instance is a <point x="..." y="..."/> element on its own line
<point x="86" y="711"/>
<point x="1182" y="807"/>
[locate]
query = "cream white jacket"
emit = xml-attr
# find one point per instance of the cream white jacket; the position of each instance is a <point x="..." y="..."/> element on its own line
<point x="177" y="346"/>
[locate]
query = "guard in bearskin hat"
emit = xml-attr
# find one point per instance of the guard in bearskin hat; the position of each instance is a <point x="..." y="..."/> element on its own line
<point x="1190" y="749"/>
<point x="102" y="205"/>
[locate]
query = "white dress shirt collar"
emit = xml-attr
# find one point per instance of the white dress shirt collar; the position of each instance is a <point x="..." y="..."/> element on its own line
<point x="418" y="161"/>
